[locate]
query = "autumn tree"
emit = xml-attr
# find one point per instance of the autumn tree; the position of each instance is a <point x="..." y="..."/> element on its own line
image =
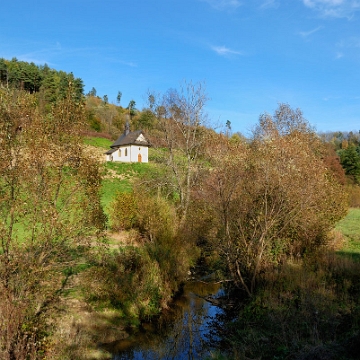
<point x="272" y="198"/>
<point x="332" y="162"/>
<point x="49" y="209"/>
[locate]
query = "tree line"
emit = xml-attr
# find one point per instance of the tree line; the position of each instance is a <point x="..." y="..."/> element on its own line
<point x="51" y="84"/>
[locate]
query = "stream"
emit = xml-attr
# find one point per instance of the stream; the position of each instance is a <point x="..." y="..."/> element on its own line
<point x="181" y="332"/>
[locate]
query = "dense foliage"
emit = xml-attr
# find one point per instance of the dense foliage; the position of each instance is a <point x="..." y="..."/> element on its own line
<point x="52" y="85"/>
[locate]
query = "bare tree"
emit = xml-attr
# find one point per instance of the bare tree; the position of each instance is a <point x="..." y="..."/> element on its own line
<point x="182" y="119"/>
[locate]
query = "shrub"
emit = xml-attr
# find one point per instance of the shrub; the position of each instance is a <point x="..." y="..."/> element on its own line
<point x="124" y="211"/>
<point x="354" y="195"/>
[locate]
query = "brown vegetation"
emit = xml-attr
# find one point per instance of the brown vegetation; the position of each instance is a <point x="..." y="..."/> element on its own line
<point x="272" y="198"/>
<point x="49" y="208"/>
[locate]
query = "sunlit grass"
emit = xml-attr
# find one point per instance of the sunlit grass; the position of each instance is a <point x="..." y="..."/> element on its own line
<point x="110" y="188"/>
<point x="128" y="169"/>
<point x="98" y="142"/>
<point x="350" y="228"/>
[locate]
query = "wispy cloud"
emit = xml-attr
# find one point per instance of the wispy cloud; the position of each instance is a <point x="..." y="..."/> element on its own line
<point x="334" y="8"/>
<point x="349" y="46"/>
<point x="339" y="55"/>
<point x="42" y="56"/>
<point x="223" y="4"/>
<point x="331" y="98"/>
<point x="128" y="63"/>
<point x="116" y="60"/>
<point x="310" y="32"/>
<point x="267" y="4"/>
<point x="224" y="51"/>
<point x="52" y="54"/>
<point x="351" y="42"/>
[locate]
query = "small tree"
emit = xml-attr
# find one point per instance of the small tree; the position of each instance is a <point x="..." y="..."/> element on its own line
<point x="118" y="98"/>
<point x="131" y="108"/>
<point x="92" y="92"/>
<point x="350" y="161"/>
<point x="181" y="117"/>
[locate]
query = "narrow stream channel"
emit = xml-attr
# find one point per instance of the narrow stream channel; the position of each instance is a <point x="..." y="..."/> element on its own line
<point x="180" y="333"/>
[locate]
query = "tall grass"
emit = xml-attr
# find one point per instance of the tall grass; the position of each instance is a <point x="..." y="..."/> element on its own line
<point x="304" y="309"/>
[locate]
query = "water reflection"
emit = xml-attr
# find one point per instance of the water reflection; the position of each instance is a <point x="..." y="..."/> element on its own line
<point x="180" y="333"/>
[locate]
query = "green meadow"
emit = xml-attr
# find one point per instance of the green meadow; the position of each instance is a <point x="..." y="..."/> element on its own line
<point x="350" y="228"/>
<point x="98" y="142"/>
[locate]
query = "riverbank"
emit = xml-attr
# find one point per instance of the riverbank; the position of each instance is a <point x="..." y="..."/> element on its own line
<point x="123" y="286"/>
<point x="306" y="309"/>
<point x="289" y="298"/>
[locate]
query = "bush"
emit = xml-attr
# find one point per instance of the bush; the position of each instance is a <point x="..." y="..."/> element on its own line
<point x="124" y="211"/>
<point x="354" y="195"/>
<point x="127" y="280"/>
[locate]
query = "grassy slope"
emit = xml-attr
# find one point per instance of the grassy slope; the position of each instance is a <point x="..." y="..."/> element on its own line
<point x="118" y="178"/>
<point x="98" y="142"/>
<point x="350" y="228"/>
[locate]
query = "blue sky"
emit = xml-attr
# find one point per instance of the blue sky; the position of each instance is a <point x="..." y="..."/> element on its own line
<point x="251" y="55"/>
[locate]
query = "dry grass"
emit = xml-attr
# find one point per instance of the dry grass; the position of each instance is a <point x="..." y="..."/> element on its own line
<point x="336" y="240"/>
<point x="81" y="330"/>
<point x="124" y="238"/>
<point x="95" y="152"/>
<point x="354" y="195"/>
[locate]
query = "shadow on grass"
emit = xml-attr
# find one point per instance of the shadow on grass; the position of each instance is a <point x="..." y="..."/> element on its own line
<point x="302" y="311"/>
<point x="353" y="255"/>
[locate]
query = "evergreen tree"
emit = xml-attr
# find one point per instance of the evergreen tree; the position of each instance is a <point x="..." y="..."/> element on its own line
<point x="350" y="161"/>
<point x="118" y="98"/>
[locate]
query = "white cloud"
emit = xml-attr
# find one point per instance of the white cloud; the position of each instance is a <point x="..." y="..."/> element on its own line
<point x="314" y="3"/>
<point x="223" y="4"/>
<point x="334" y="8"/>
<point x="41" y="56"/>
<point x="310" y="32"/>
<point x="224" y="51"/>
